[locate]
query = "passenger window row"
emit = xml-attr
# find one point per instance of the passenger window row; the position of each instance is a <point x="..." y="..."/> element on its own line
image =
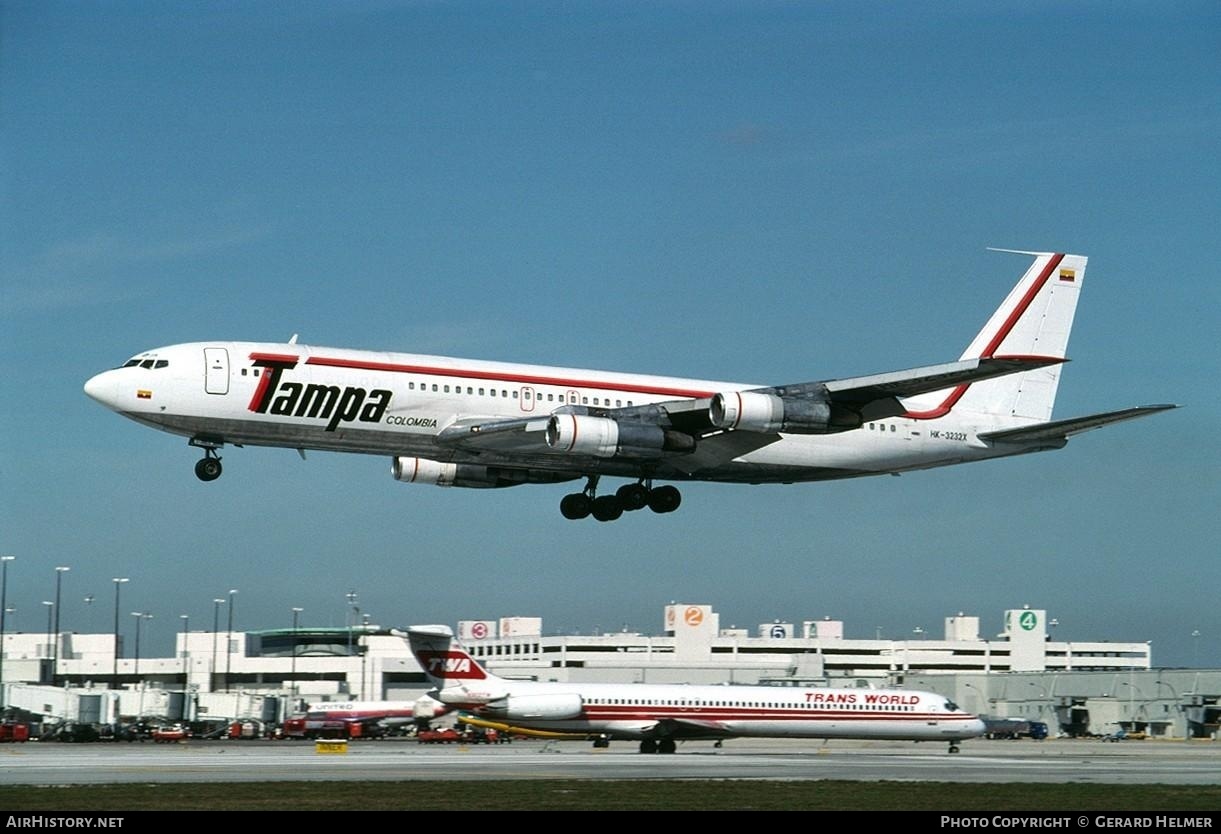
<point x="526" y="394"/>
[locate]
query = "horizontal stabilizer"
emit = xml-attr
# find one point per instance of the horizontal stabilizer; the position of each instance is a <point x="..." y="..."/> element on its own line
<point x="1059" y="430"/>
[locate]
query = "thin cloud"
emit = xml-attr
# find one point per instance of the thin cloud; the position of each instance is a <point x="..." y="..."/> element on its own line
<point x="61" y="276"/>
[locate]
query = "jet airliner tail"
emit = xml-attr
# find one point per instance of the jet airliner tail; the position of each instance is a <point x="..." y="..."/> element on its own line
<point x="444" y="660"/>
<point x="1033" y="321"/>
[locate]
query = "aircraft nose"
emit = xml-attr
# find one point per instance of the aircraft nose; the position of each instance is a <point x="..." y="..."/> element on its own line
<point x="977" y="727"/>
<point x="101" y="388"/>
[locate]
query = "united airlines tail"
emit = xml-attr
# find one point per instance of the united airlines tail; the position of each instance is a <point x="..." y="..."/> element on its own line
<point x="1034" y="321"/>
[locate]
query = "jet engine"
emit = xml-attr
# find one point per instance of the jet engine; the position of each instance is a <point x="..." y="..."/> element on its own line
<point x="756" y="411"/>
<point x="413" y="470"/>
<point x="424" y="471"/>
<point x="535" y="707"/>
<point x="602" y="437"/>
<point x="427" y="708"/>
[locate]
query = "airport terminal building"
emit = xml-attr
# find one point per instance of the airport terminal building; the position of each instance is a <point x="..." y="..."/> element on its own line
<point x="1076" y="687"/>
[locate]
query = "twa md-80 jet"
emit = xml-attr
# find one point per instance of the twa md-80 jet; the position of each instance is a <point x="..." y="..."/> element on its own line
<point x="658" y="715"/>
<point x="468" y="423"/>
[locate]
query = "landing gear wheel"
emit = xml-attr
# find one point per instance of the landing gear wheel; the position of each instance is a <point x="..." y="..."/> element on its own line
<point x="664" y="499"/>
<point x="648" y="745"/>
<point x="601" y="743"/>
<point x="607" y="508"/>
<point x="576" y="506"/>
<point x="207" y="469"/>
<point x="666" y="745"/>
<point x="953" y="747"/>
<point x="633" y="496"/>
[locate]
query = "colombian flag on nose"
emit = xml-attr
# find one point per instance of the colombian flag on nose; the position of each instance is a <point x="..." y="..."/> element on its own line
<point x="144" y="394"/>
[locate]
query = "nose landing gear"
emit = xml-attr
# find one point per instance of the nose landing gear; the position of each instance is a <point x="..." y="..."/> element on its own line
<point x="208" y="468"/>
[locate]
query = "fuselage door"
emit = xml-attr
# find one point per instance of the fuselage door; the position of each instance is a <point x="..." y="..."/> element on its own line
<point x="216" y="370"/>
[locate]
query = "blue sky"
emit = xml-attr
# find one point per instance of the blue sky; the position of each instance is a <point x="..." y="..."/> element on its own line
<point x="766" y="192"/>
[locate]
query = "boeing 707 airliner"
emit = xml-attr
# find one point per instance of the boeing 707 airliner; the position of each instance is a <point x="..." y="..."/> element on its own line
<point x="468" y="423"/>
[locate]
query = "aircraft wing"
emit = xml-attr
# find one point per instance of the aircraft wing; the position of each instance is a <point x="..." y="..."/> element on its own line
<point x="1061" y="430"/>
<point x="691" y="728"/>
<point x="877" y="396"/>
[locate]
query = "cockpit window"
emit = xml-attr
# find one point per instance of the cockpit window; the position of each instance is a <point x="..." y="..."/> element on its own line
<point x="146" y="363"/>
<point x="950" y="705"/>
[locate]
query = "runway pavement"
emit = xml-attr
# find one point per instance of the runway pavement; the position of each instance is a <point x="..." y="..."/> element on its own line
<point x="1061" y="761"/>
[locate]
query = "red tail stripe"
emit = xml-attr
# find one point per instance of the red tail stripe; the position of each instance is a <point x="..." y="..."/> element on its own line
<point x="1001" y="334"/>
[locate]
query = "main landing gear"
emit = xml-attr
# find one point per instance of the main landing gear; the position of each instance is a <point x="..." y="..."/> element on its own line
<point x="629" y="497"/>
<point x="208" y="468"/>
<point x="664" y="745"/>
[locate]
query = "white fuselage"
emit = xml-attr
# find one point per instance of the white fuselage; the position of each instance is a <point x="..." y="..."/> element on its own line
<point x="638" y="710"/>
<point x="397" y="404"/>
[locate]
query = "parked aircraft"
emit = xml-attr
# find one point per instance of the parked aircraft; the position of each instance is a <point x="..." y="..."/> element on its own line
<point x="660" y="715"/>
<point x="468" y="423"/>
<point x="324" y="718"/>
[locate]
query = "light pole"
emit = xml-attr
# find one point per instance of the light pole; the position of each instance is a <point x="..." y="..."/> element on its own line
<point x="186" y="628"/>
<point x="1195" y="642"/>
<point x="59" y="575"/>
<point x="296" y="614"/>
<point x="186" y="664"/>
<point x="4" y="560"/>
<point x="118" y="581"/>
<point x="140" y="616"/>
<point x="365" y="631"/>
<point x="229" y="638"/>
<point x="50" y="615"/>
<point x="351" y="618"/>
<point x="216" y="604"/>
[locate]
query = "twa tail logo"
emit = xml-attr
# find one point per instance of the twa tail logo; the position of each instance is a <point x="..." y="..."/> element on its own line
<point x="450" y="665"/>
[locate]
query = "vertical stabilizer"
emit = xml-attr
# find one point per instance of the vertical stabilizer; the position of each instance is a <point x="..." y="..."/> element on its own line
<point x="1034" y="320"/>
<point x="443" y="659"/>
